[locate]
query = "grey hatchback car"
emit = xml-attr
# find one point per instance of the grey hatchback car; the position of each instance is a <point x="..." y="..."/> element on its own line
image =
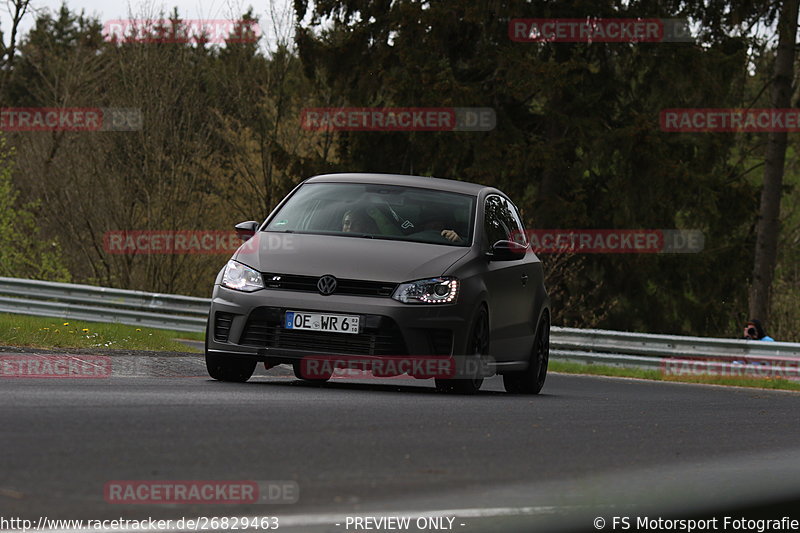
<point x="364" y="269"/>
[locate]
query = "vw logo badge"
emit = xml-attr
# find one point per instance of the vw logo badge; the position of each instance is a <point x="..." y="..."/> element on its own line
<point x="326" y="285"/>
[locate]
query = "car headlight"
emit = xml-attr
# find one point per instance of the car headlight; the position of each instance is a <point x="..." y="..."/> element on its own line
<point x="427" y="291"/>
<point x="240" y="277"/>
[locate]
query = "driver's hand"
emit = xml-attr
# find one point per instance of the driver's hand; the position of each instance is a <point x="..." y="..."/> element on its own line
<point x="450" y="235"/>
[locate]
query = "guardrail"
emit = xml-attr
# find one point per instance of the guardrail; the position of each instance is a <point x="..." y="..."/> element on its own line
<point x="186" y="313"/>
<point x="103" y="304"/>
<point x="647" y="350"/>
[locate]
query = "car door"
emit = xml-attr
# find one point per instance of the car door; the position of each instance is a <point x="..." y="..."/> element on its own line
<point x="509" y="283"/>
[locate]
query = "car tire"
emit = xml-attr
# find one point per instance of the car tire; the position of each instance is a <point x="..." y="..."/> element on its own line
<point x="531" y="380"/>
<point x="478" y="346"/>
<point x="229" y="368"/>
<point x="319" y="379"/>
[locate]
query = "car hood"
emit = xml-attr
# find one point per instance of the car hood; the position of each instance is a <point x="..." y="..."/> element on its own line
<point x="347" y="257"/>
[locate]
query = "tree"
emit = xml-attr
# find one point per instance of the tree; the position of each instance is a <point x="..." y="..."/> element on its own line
<point x="8" y="52"/>
<point x="768" y="226"/>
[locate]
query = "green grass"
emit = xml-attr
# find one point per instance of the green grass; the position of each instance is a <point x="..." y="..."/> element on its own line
<point x="39" y="332"/>
<point x="657" y="375"/>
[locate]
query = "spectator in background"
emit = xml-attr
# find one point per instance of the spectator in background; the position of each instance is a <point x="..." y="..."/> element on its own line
<point x="753" y="330"/>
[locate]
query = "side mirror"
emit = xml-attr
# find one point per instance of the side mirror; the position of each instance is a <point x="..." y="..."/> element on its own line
<point x="245" y="230"/>
<point x="506" y="251"/>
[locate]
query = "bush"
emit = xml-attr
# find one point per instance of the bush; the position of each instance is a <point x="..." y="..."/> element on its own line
<point x="24" y="253"/>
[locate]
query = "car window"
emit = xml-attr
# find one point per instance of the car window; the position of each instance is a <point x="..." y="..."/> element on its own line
<point x="501" y="222"/>
<point x="378" y="211"/>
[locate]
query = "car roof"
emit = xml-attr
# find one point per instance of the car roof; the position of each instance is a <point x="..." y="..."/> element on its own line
<point x="463" y="187"/>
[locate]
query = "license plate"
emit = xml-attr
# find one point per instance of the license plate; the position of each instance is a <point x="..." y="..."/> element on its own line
<point x="321" y="322"/>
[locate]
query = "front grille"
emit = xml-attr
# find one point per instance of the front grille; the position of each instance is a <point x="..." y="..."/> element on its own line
<point x="378" y="336"/>
<point x="353" y="287"/>
<point x="222" y="326"/>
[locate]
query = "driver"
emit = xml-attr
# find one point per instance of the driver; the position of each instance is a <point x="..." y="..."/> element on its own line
<point x="435" y="220"/>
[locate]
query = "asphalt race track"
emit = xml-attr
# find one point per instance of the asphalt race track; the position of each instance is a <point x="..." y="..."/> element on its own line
<point x="586" y="447"/>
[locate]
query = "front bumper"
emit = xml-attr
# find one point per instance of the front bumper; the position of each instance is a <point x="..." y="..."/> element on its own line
<point x="251" y="325"/>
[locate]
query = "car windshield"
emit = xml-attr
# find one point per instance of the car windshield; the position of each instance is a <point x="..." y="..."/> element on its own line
<point x="378" y="212"/>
